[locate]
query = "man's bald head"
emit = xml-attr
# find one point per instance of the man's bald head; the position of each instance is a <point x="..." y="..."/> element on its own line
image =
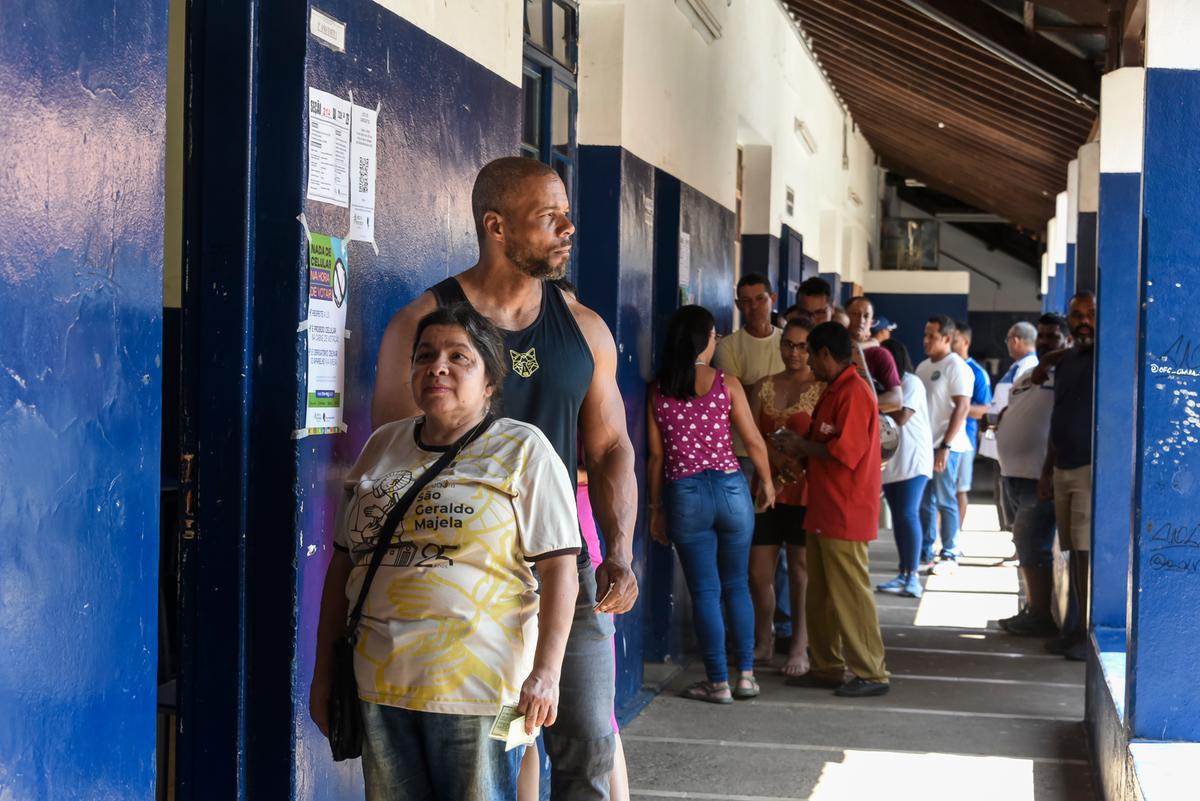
<point x="500" y="182"/>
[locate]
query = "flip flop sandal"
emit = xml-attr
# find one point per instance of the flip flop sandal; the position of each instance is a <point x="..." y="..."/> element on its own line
<point x="704" y="691"/>
<point x="742" y="693"/>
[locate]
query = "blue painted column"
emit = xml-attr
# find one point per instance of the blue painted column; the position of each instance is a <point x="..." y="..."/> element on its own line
<point x="1045" y="283"/>
<point x="1089" y="199"/>
<point x="1072" y="226"/>
<point x="1054" y="270"/>
<point x="1164" y="638"/>
<point x="1062" y="254"/>
<point x="1120" y="200"/>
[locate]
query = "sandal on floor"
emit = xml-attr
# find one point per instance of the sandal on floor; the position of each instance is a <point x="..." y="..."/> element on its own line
<point x="705" y="691"/>
<point x="751" y="691"/>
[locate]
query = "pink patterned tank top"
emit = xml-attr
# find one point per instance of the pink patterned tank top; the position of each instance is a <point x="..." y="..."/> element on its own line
<point x="696" y="432"/>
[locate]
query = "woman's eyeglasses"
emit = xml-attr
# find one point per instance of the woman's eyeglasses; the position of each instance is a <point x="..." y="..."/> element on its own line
<point x="798" y="346"/>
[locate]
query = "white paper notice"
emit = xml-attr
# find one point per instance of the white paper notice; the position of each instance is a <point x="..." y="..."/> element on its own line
<point x="362" y="165"/>
<point x="328" y="148"/>
<point x="685" y="260"/>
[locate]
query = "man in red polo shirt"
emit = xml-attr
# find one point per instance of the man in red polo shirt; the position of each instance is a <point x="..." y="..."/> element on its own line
<point x="842" y="450"/>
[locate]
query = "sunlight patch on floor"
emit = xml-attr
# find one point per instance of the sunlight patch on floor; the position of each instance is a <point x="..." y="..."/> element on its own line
<point x="975" y="579"/>
<point x="885" y="774"/>
<point x="981" y="517"/>
<point x="967" y="610"/>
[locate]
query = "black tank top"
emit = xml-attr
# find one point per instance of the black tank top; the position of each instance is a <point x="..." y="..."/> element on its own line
<point x="550" y="370"/>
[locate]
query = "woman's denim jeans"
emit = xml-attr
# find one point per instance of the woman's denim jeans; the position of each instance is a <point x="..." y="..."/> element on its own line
<point x="904" y="499"/>
<point x="710" y="521"/>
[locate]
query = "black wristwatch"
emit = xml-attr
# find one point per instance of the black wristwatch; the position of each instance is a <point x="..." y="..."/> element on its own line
<point x="942" y="447"/>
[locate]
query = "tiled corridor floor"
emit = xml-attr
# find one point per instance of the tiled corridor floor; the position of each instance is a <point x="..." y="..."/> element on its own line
<point x="974" y="714"/>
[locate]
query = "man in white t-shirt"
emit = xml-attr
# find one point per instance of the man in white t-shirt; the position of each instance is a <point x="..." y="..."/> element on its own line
<point x="752" y="352"/>
<point x="948" y="384"/>
<point x="1021" y="438"/>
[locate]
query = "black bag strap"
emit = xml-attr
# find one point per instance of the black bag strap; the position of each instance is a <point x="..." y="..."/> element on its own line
<point x="397" y="512"/>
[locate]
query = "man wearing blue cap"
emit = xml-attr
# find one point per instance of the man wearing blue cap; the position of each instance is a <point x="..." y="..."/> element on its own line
<point x="882" y="330"/>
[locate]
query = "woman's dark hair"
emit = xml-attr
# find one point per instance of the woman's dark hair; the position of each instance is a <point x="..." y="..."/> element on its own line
<point x="800" y="321"/>
<point x="484" y="336"/>
<point x="899" y="353"/>
<point x="687" y="337"/>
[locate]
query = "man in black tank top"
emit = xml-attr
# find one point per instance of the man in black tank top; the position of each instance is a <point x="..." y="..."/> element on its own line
<point x="562" y="379"/>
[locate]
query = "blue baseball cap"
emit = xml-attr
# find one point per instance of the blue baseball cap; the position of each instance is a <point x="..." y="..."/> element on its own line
<point x="883" y="324"/>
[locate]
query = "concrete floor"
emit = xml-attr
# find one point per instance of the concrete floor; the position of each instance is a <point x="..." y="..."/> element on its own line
<point x="973" y="713"/>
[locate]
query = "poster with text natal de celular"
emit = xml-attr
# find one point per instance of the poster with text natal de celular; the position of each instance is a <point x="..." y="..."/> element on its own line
<point x="328" y="280"/>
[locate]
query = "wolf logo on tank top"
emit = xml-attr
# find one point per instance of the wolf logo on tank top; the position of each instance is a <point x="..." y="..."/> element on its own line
<point x="524" y="364"/>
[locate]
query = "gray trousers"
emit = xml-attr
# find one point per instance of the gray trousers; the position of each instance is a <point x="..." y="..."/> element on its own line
<point x="581" y="744"/>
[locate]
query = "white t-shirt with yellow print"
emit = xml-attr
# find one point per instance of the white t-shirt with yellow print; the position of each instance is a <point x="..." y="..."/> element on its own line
<point x="450" y="622"/>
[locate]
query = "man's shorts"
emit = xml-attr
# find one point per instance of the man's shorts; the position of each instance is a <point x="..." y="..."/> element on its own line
<point x="784" y="524"/>
<point x="966" y="472"/>
<point x="1073" y="507"/>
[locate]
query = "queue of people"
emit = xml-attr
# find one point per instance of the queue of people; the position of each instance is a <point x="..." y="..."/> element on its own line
<point x="478" y="610"/>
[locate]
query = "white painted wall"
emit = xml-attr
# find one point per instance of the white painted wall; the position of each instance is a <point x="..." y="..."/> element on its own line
<point x="651" y="83"/>
<point x="491" y="32"/>
<point x="1019" y="283"/>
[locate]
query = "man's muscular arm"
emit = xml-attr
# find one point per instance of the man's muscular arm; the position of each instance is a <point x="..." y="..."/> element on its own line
<point x="393" y="399"/>
<point x="610" y="463"/>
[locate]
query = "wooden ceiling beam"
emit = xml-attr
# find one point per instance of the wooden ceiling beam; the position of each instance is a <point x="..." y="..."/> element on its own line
<point x="1133" y="30"/>
<point x="1030" y="213"/>
<point x="914" y="120"/>
<point x="1000" y="175"/>
<point x="865" y="61"/>
<point x="890" y="28"/>
<point x="939" y="142"/>
<point x="915" y="35"/>
<point x="1041" y="58"/>
<point x="858" y="45"/>
<point x="1085" y="12"/>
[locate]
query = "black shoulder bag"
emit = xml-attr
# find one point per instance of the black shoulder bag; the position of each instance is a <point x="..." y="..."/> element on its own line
<point x="345" y="714"/>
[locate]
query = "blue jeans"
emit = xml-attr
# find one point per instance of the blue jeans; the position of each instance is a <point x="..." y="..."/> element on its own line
<point x="710" y="520"/>
<point x="941" y="502"/>
<point x="904" y="499"/>
<point x="428" y="756"/>
<point x="1032" y="522"/>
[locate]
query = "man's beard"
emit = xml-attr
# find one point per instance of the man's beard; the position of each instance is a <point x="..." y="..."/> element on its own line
<point x="535" y="266"/>
<point x="1083" y="338"/>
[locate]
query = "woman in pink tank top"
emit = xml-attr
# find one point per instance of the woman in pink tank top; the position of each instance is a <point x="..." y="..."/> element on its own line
<point x="699" y="501"/>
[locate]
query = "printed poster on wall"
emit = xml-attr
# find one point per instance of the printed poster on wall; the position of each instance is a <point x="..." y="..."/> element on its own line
<point x="328" y="148"/>
<point x="362" y="167"/>
<point x="327" y="292"/>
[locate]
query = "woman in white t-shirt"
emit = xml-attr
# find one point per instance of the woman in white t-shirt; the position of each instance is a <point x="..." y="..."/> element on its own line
<point x="907" y="472"/>
<point x="452" y="627"/>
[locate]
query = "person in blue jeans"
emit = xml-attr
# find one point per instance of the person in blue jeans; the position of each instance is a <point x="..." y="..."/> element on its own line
<point x="948" y="384"/>
<point x="907" y="473"/>
<point x="700" y="502"/>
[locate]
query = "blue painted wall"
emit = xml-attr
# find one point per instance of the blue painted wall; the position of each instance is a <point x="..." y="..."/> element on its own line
<point x="1164" y="644"/>
<point x="442" y="117"/>
<point x="712" y="229"/>
<point x="629" y="272"/>
<point x="1115" y="413"/>
<point x="762" y="253"/>
<point x="616" y="257"/>
<point x="910" y="313"/>
<point x="81" y="236"/>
